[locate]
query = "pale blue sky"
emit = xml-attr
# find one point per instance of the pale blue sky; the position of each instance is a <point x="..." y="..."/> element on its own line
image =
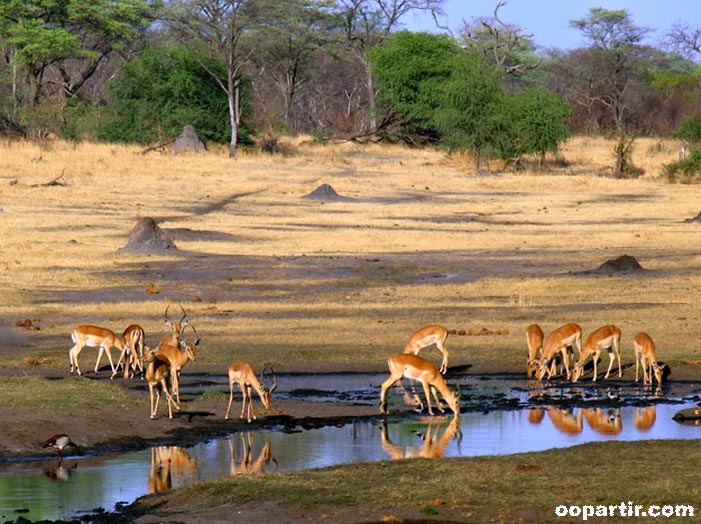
<point x="549" y="20"/>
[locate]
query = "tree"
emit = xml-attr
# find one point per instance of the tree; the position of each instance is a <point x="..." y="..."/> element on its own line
<point x="287" y="45"/>
<point x="471" y="114"/>
<point x="610" y="71"/>
<point x="217" y="28"/>
<point x="540" y="122"/>
<point x="367" y="23"/>
<point x="162" y="90"/>
<point x="65" y="42"/>
<point x="409" y="69"/>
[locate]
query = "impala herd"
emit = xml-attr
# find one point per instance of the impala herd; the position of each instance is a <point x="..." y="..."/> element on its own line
<point x="560" y="353"/>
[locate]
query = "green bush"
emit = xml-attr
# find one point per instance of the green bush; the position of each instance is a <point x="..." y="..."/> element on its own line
<point x="686" y="171"/>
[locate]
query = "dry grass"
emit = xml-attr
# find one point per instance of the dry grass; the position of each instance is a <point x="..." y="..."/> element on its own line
<point x="289" y="280"/>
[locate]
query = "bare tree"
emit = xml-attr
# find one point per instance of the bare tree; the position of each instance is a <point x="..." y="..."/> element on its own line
<point x="684" y="39"/>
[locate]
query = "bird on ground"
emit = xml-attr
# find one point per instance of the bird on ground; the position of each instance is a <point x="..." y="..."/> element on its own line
<point x="59" y="442"/>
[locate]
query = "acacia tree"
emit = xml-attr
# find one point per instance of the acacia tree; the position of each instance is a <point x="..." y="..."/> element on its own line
<point x="367" y="23"/>
<point x="65" y="42"/>
<point x="607" y="75"/>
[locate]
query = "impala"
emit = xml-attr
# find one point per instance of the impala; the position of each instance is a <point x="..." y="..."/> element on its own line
<point x="402" y="365"/>
<point x="433" y="446"/>
<point x="646" y="357"/>
<point x="93" y="336"/>
<point x="605" y="338"/>
<point x="157" y="372"/>
<point x="242" y="373"/>
<point x="427" y="336"/>
<point x="176" y="327"/>
<point x="534" y="341"/>
<point x="132" y="351"/>
<point x="559" y="341"/>
<point x="177" y="358"/>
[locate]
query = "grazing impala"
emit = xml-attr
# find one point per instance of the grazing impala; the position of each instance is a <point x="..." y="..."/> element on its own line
<point x="646" y="357"/>
<point x="242" y="373"/>
<point x="402" y="365"/>
<point x="177" y="358"/>
<point x="132" y="351"/>
<point x="559" y="341"/>
<point x="93" y="336"/>
<point x="605" y="338"/>
<point x="534" y="340"/>
<point x="426" y="336"/>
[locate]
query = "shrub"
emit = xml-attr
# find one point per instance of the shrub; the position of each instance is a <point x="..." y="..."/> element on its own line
<point x="686" y="171"/>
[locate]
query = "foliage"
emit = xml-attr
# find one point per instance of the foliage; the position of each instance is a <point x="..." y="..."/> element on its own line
<point x="685" y="171"/>
<point x="162" y="90"/>
<point x="410" y="69"/>
<point x="689" y="129"/>
<point x="472" y="113"/>
<point x="540" y="121"/>
<point x="609" y="29"/>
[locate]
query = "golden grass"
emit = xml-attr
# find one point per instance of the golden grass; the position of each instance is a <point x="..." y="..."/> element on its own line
<point x="342" y="284"/>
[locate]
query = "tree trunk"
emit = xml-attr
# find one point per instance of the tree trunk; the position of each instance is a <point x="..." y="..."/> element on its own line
<point x="234" y="117"/>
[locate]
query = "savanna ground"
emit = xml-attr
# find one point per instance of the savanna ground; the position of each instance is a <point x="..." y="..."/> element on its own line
<point x="318" y="286"/>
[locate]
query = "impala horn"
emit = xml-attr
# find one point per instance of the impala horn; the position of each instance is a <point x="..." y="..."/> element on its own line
<point x="262" y="375"/>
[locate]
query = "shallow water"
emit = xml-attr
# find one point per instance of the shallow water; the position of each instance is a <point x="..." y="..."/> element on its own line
<point x="503" y="416"/>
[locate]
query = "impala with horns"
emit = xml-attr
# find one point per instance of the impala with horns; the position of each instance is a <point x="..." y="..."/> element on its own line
<point x="646" y="357"/>
<point x="605" y="338"/>
<point x="559" y="341"/>
<point x="427" y="336"/>
<point x="177" y="328"/>
<point x="413" y="367"/>
<point x="132" y="351"/>
<point x="534" y="341"/>
<point x="243" y="374"/>
<point x="93" y="336"/>
<point x="178" y="355"/>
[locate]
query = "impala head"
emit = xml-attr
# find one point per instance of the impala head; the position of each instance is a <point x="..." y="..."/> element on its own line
<point x="577" y="372"/>
<point x="657" y="371"/>
<point x="266" y="392"/>
<point x="532" y="366"/>
<point x="191" y="347"/>
<point x="178" y="326"/>
<point x="542" y="368"/>
<point x="453" y="400"/>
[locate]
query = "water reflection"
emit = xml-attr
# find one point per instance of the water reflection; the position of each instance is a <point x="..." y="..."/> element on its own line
<point x="168" y="462"/>
<point x="242" y="461"/>
<point x="60" y="472"/>
<point x="433" y="441"/>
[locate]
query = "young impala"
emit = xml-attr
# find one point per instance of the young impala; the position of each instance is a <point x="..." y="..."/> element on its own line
<point x="177" y="356"/>
<point x="646" y="357"/>
<point x="243" y="374"/>
<point x="93" y="336"/>
<point x="605" y="338"/>
<point x="427" y="336"/>
<point x="157" y="373"/>
<point x="132" y="351"/>
<point x="559" y="341"/>
<point x="402" y="365"/>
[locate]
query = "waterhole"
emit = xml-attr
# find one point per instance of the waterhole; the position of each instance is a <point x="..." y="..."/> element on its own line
<point x="500" y="415"/>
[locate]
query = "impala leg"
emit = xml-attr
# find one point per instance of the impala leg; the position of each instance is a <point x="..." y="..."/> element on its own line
<point x="637" y="362"/>
<point x="444" y="350"/>
<point x="565" y="359"/>
<point x="618" y="357"/>
<point x="427" y="394"/>
<point x="383" y="392"/>
<point x="73" y="357"/>
<point x="231" y="399"/>
<point x="612" y="357"/>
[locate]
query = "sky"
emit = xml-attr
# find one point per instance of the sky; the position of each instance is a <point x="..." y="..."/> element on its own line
<point x="549" y="20"/>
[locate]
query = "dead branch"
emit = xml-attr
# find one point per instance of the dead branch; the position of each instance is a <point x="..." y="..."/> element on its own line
<point x="158" y="145"/>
